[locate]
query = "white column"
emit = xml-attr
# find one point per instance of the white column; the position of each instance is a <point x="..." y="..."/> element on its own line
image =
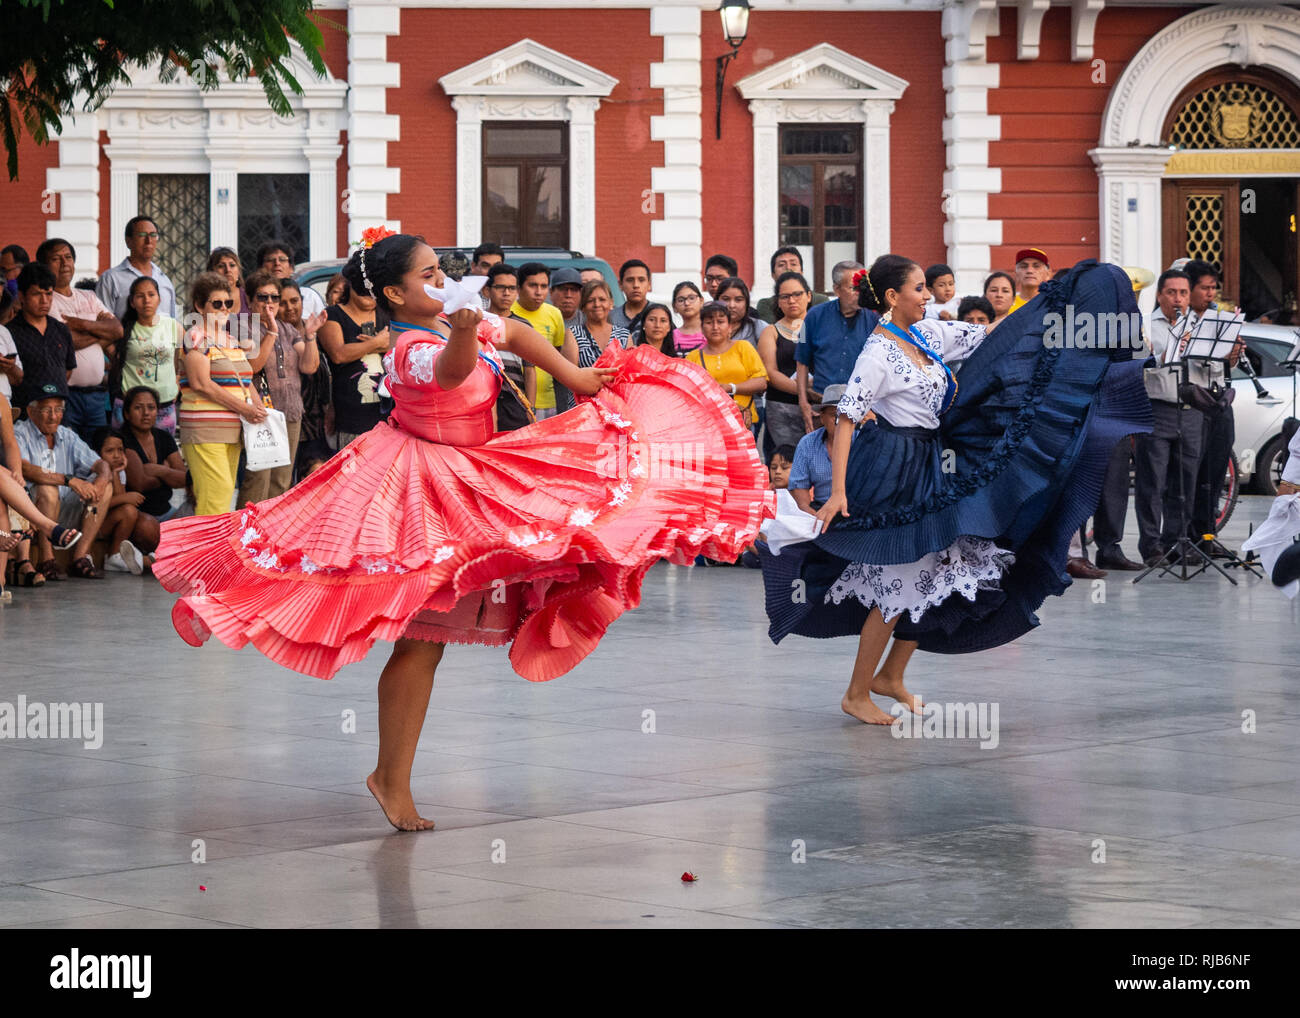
<point x="875" y="180"/>
<point x="124" y="202"/>
<point x="767" y="201"/>
<point x="323" y="208"/>
<point x="469" y="170"/>
<point x="582" y="173"/>
<point x="1130" y="205"/>
<point x="323" y="200"/>
<point x="968" y="180"/>
<point x="679" y="180"/>
<point x="72" y="190"/>
<point x="370" y="127"/>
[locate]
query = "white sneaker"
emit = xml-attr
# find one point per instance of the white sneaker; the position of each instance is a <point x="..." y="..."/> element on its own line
<point x="130" y="557"/>
<point x="114" y="564"/>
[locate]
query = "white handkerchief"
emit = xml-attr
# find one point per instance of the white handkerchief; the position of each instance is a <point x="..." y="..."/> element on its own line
<point x="791" y="524"/>
<point x="458" y="293"/>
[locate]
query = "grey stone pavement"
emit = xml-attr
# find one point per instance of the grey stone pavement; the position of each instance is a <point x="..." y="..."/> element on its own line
<point x="1120" y="732"/>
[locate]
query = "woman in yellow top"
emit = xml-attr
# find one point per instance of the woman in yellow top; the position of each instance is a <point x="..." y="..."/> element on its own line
<point x="733" y="363"/>
<point x="215" y="385"/>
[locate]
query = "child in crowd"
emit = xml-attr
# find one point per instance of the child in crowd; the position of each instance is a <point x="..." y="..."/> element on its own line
<point x="942" y="284"/>
<point x="123" y="518"/>
<point x="975" y="310"/>
<point x="778" y="472"/>
<point x="778" y="467"/>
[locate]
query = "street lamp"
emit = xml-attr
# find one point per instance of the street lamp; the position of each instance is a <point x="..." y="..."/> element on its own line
<point x="735" y="26"/>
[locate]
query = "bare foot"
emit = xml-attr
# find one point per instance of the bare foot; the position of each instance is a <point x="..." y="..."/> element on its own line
<point x="404" y="816"/>
<point x="866" y="711"/>
<point x="892" y="686"/>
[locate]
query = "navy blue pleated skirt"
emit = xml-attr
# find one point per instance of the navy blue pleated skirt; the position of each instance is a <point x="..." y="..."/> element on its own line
<point x="1026" y="444"/>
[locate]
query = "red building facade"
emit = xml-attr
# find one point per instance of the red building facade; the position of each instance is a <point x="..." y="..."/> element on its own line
<point x="948" y="130"/>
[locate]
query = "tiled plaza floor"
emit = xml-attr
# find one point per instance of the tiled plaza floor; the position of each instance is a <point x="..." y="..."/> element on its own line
<point x="1120" y="736"/>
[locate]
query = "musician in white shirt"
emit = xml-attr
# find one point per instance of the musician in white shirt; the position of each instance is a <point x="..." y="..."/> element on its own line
<point x="1179" y="429"/>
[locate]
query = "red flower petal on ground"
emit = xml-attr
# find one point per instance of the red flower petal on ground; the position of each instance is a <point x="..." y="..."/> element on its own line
<point x="202" y="888"/>
<point x="689" y="878"/>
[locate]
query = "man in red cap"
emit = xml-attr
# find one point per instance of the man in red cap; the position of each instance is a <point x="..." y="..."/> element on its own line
<point x="1032" y="271"/>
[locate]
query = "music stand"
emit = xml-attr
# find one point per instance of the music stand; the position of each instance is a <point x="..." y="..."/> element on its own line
<point x="1292" y="364"/>
<point x="1212" y="340"/>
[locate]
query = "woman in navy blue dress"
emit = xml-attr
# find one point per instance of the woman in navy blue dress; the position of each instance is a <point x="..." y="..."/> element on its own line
<point x="950" y="515"/>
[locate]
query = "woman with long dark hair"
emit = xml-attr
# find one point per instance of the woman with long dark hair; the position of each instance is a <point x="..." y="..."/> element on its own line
<point x="776" y="345"/>
<point x="745" y="323"/>
<point x="224" y="261"/>
<point x="433" y="529"/>
<point x="657" y="330"/>
<point x="146" y="356"/>
<point x="1000" y="292"/>
<point x="951" y="513"/>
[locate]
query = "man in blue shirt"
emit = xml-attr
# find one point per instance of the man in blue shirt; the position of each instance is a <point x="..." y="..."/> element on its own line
<point x="810" y="475"/>
<point x="65" y="479"/>
<point x="832" y="337"/>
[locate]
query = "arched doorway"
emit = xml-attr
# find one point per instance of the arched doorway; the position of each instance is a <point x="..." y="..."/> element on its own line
<point x="1135" y="164"/>
<point x="1231" y="188"/>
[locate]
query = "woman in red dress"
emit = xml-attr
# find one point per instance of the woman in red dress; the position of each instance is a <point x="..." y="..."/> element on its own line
<point x="431" y="529"/>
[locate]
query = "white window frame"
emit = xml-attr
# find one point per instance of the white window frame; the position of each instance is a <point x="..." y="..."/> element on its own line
<point x="821" y="85"/>
<point x="527" y="81"/>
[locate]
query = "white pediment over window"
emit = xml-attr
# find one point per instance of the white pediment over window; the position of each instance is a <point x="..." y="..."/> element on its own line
<point x="528" y="68"/>
<point x="822" y="73"/>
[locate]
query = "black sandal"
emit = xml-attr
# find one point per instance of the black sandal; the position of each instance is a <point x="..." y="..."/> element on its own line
<point x="35" y="578"/>
<point x="64" y="537"/>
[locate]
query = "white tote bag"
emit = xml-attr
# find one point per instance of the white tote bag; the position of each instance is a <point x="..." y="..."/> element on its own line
<point x="266" y="445"/>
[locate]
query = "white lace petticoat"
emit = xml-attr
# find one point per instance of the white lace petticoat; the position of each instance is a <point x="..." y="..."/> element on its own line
<point x="967" y="566"/>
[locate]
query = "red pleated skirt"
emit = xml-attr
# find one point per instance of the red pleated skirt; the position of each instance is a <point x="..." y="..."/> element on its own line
<point x="539" y="538"/>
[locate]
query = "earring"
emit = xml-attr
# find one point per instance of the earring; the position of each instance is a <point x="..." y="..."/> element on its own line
<point x="888" y="316"/>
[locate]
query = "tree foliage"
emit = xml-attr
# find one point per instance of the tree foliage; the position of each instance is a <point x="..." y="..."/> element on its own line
<point x="56" y="55"/>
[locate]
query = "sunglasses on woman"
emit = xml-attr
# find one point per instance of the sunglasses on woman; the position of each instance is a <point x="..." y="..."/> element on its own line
<point x="222" y="305"/>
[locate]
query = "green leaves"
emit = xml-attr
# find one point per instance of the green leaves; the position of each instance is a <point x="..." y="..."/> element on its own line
<point x="58" y="55"/>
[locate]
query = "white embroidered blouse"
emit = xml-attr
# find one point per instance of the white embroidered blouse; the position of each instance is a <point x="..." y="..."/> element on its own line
<point x="885" y="379"/>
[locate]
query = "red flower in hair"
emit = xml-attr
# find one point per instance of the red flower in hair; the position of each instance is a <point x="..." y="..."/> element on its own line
<point x="859" y="276"/>
<point x="372" y="236"/>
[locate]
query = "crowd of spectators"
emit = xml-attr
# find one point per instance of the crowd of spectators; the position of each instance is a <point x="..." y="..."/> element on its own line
<point x="127" y="412"/>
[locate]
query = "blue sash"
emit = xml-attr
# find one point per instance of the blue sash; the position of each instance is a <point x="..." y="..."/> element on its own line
<point x="914" y="336"/>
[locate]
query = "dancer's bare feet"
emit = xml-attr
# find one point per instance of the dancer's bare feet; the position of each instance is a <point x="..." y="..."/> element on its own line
<point x="403" y="815"/>
<point x="865" y="711"/>
<point x="892" y="686"/>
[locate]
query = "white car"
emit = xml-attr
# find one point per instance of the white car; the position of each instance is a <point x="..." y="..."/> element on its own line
<point x="1259" y="416"/>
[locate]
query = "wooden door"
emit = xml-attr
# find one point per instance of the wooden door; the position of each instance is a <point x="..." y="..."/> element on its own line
<point x="1202" y="220"/>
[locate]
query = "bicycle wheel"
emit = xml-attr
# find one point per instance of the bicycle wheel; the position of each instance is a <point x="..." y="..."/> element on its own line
<point x="1229" y="495"/>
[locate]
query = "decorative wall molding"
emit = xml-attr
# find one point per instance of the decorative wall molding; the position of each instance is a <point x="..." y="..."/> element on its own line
<point x="1083" y="27"/>
<point x="527" y="81"/>
<point x="966" y="25"/>
<point x="1029" y="27"/>
<point x="1172" y="59"/>
<point x="820" y="85"/>
<point x="157" y="126"/>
